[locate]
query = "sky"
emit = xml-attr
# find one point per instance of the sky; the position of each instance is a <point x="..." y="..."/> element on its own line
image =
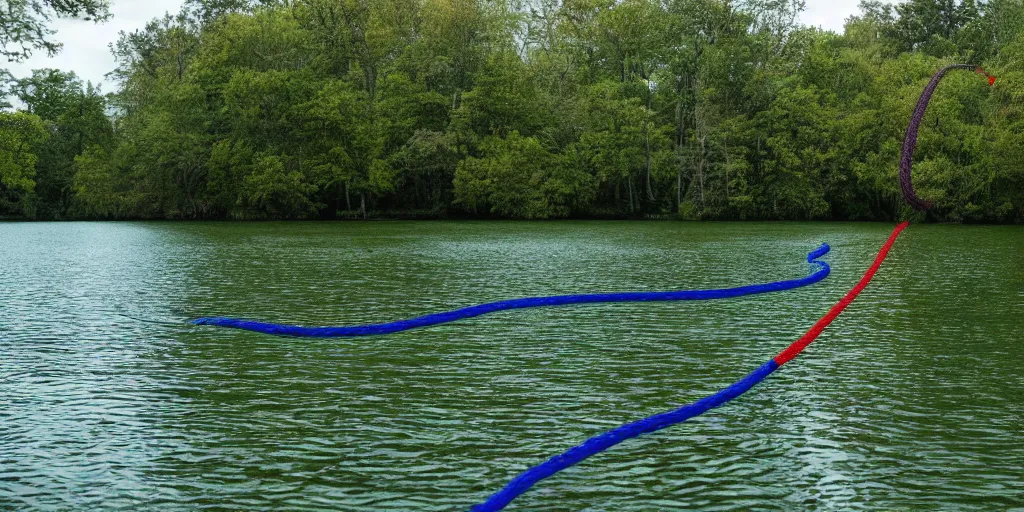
<point x="87" y="45"/>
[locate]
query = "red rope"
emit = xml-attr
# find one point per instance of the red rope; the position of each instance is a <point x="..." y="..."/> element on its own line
<point x="799" y="345"/>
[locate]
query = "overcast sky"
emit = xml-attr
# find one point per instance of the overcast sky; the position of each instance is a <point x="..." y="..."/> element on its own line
<point x="87" y="45"/>
<point x="87" y="53"/>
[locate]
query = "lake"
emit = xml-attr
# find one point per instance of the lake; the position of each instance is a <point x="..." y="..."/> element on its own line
<point x="109" y="399"/>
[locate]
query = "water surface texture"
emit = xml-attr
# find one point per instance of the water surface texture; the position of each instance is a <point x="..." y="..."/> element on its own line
<point x="912" y="400"/>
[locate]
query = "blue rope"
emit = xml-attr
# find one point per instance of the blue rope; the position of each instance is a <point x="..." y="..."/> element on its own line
<point x="530" y="302"/>
<point x="602" y="442"/>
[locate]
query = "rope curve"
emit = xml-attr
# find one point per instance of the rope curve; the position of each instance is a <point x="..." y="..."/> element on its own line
<point x="910" y="140"/>
<point x="602" y="442"/>
<point x="822" y="272"/>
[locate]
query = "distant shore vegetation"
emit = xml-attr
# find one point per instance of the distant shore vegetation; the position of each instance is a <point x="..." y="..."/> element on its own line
<point x="534" y="109"/>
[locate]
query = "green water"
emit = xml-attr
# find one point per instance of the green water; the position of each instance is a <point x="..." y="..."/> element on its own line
<point x="913" y="400"/>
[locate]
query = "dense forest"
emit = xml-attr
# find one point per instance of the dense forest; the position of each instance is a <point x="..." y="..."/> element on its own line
<point x="697" y="109"/>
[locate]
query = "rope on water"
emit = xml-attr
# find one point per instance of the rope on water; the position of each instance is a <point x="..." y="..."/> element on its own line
<point x="602" y="442"/>
<point x="820" y="273"/>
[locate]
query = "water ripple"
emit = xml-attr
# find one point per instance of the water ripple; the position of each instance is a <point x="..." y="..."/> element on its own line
<point x="108" y="401"/>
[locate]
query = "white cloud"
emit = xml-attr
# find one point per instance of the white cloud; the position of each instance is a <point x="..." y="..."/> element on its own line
<point x="86" y="45"/>
<point x="831" y="14"/>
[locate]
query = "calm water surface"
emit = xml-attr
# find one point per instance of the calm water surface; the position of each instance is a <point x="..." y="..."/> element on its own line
<point x="914" y="400"/>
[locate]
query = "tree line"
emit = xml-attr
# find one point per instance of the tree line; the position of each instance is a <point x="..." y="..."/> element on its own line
<point x="697" y="109"/>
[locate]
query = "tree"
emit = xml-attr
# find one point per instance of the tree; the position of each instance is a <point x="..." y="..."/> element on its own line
<point x="74" y="115"/>
<point x="271" y="189"/>
<point x="517" y="177"/>
<point x="100" y="190"/>
<point x="797" y="153"/>
<point x="711" y="109"/>
<point x="23" y="23"/>
<point x="931" y="26"/>
<point x="19" y="132"/>
<point x="429" y="159"/>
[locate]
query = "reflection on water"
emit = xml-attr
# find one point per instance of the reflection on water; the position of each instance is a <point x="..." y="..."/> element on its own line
<point x="108" y="400"/>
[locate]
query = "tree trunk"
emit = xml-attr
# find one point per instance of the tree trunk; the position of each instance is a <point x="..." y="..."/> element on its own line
<point x="629" y="187"/>
<point x="701" y="166"/>
<point x="647" y="136"/>
<point x="679" y="190"/>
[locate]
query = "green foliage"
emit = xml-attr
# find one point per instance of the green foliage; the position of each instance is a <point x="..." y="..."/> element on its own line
<point x="271" y="189"/>
<point x="706" y="109"/>
<point x="504" y="99"/>
<point x="517" y="177"/>
<point x="797" y="153"/>
<point x="24" y="23"/>
<point x="18" y="134"/>
<point x="100" y="193"/>
<point x="75" y="117"/>
<point x="931" y="26"/>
